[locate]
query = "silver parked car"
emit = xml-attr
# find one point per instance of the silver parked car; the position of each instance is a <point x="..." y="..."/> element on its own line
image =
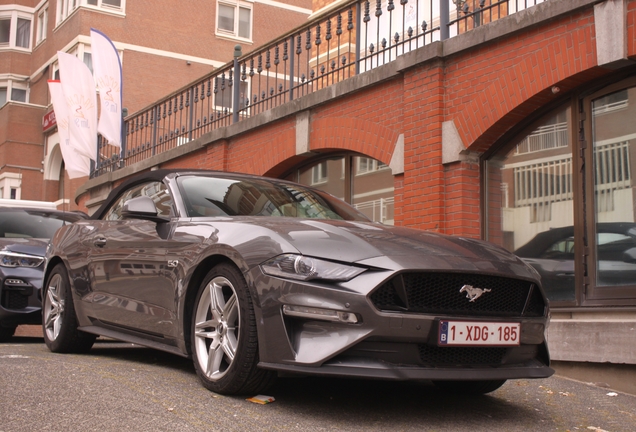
<point x="24" y="234"/>
<point x="253" y="276"/>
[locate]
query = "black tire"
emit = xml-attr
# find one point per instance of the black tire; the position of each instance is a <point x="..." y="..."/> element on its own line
<point x="469" y="387"/>
<point x="6" y="333"/>
<point x="224" y="338"/>
<point x="59" y="321"/>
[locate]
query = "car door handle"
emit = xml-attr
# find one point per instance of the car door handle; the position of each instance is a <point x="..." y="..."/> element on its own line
<point x="100" y="241"/>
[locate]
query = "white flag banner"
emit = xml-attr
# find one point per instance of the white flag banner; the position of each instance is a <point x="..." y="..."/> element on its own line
<point x="77" y="164"/>
<point x="108" y="76"/>
<point x="78" y="86"/>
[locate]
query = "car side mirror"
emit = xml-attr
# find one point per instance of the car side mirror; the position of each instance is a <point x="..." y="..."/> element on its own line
<point x="141" y="207"/>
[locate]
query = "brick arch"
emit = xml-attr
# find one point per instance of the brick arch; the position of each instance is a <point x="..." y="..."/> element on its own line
<point x="53" y="163"/>
<point x="367" y="137"/>
<point x="518" y="90"/>
<point x="335" y="134"/>
<point x="259" y="151"/>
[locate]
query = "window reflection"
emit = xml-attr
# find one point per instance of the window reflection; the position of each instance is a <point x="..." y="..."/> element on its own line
<point x="373" y="189"/>
<point x="211" y="196"/>
<point x="614" y="134"/>
<point x="364" y="182"/>
<point x="530" y="203"/>
<point x="155" y="190"/>
<point x="326" y="175"/>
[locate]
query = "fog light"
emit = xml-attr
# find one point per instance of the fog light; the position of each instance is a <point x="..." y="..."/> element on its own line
<point x="320" y="314"/>
<point x="14" y="282"/>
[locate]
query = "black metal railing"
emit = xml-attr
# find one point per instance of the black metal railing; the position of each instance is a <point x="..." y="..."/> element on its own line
<point x="332" y="47"/>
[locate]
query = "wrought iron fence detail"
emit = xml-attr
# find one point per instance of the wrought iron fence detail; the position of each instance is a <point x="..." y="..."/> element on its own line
<point x="352" y="39"/>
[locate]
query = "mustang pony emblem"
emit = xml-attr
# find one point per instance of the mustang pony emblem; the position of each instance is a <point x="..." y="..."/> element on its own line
<point x="473" y="293"/>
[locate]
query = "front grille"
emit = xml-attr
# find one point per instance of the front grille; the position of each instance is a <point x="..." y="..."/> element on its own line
<point x="14" y="300"/>
<point x="460" y="356"/>
<point x="439" y="293"/>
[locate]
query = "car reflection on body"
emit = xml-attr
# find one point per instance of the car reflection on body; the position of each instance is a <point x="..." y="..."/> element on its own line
<point x="24" y="234"/>
<point x="253" y="277"/>
<point x="551" y="253"/>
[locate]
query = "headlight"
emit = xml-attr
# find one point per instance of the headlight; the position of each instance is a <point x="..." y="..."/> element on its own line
<point x="304" y="268"/>
<point x="14" y="259"/>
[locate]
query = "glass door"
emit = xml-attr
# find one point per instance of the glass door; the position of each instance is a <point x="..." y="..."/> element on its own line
<point x="613" y="231"/>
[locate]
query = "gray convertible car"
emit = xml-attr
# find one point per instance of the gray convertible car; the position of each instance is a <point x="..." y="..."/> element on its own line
<point x="254" y="277"/>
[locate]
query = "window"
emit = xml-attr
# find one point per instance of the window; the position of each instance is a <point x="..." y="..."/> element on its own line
<point x="43" y="20"/>
<point x="371" y="195"/>
<point x="5" y="30"/>
<point x="82" y="51"/>
<point x="367" y="165"/>
<point x="10" y="185"/>
<point x="552" y="133"/>
<point x="531" y="201"/>
<point x="65" y="8"/>
<point x="12" y="91"/>
<point x="612" y="102"/>
<point x="15" y="30"/>
<point x="613" y="132"/>
<point x="567" y="209"/>
<point x="23" y="34"/>
<point x="105" y="3"/>
<point x="234" y="19"/>
<point x="155" y="190"/>
<point x="319" y="173"/>
<point x="88" y="60"/>
<point x="18" y="95"/>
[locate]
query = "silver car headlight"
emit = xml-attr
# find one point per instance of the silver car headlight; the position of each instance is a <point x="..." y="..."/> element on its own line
<point x="15" y="259"/>
<point x="300" y="267"/>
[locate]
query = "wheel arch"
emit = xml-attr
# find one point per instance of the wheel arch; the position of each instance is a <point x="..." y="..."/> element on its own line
<point x="50" y="265"/>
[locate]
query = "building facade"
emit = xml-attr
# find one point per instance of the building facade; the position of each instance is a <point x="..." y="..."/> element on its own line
<point x="163" y="45"/>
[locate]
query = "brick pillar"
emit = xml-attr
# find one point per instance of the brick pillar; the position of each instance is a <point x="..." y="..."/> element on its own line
<point x="423" y="191"/>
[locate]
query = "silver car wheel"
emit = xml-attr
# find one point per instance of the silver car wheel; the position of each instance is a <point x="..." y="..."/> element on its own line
<point x="54" y="308"/>
<point x="217" y="328"/>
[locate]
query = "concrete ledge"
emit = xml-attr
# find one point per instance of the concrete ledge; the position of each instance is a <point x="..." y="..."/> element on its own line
<point x="592" y="340"/>
<point x="611" y="376"/>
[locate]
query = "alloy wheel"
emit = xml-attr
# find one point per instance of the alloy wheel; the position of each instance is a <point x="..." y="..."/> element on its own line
<point x="217" y="327"/>
<point x="54" y="308"/>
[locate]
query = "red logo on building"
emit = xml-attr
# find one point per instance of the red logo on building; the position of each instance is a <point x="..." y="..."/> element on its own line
<point x="48" y="121"/>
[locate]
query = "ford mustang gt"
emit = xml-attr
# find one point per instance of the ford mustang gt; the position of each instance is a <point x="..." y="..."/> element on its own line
<point x="254" y="277"/>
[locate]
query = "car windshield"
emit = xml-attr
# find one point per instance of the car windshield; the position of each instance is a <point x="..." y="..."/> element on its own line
<point x="216" y="196"/>
<point x="31" y="223"/>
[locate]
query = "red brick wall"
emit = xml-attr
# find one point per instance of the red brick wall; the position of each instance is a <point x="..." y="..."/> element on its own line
<point x="21" y="148"/>
<point x="631" y="28"/>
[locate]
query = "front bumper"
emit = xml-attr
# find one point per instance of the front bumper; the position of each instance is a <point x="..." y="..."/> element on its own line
<point x="383" y="344"/>
<point x="20" y="296"/>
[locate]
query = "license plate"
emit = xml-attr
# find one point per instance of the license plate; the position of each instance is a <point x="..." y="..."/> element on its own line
<point x="468" y="333"/>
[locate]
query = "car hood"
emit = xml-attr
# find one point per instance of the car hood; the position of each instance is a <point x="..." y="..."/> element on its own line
<point x="29" y="246"/>
<point x="396" y="247"/>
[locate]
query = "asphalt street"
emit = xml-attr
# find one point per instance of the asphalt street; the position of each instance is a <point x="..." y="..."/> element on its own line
<point x="121" y="387"/>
